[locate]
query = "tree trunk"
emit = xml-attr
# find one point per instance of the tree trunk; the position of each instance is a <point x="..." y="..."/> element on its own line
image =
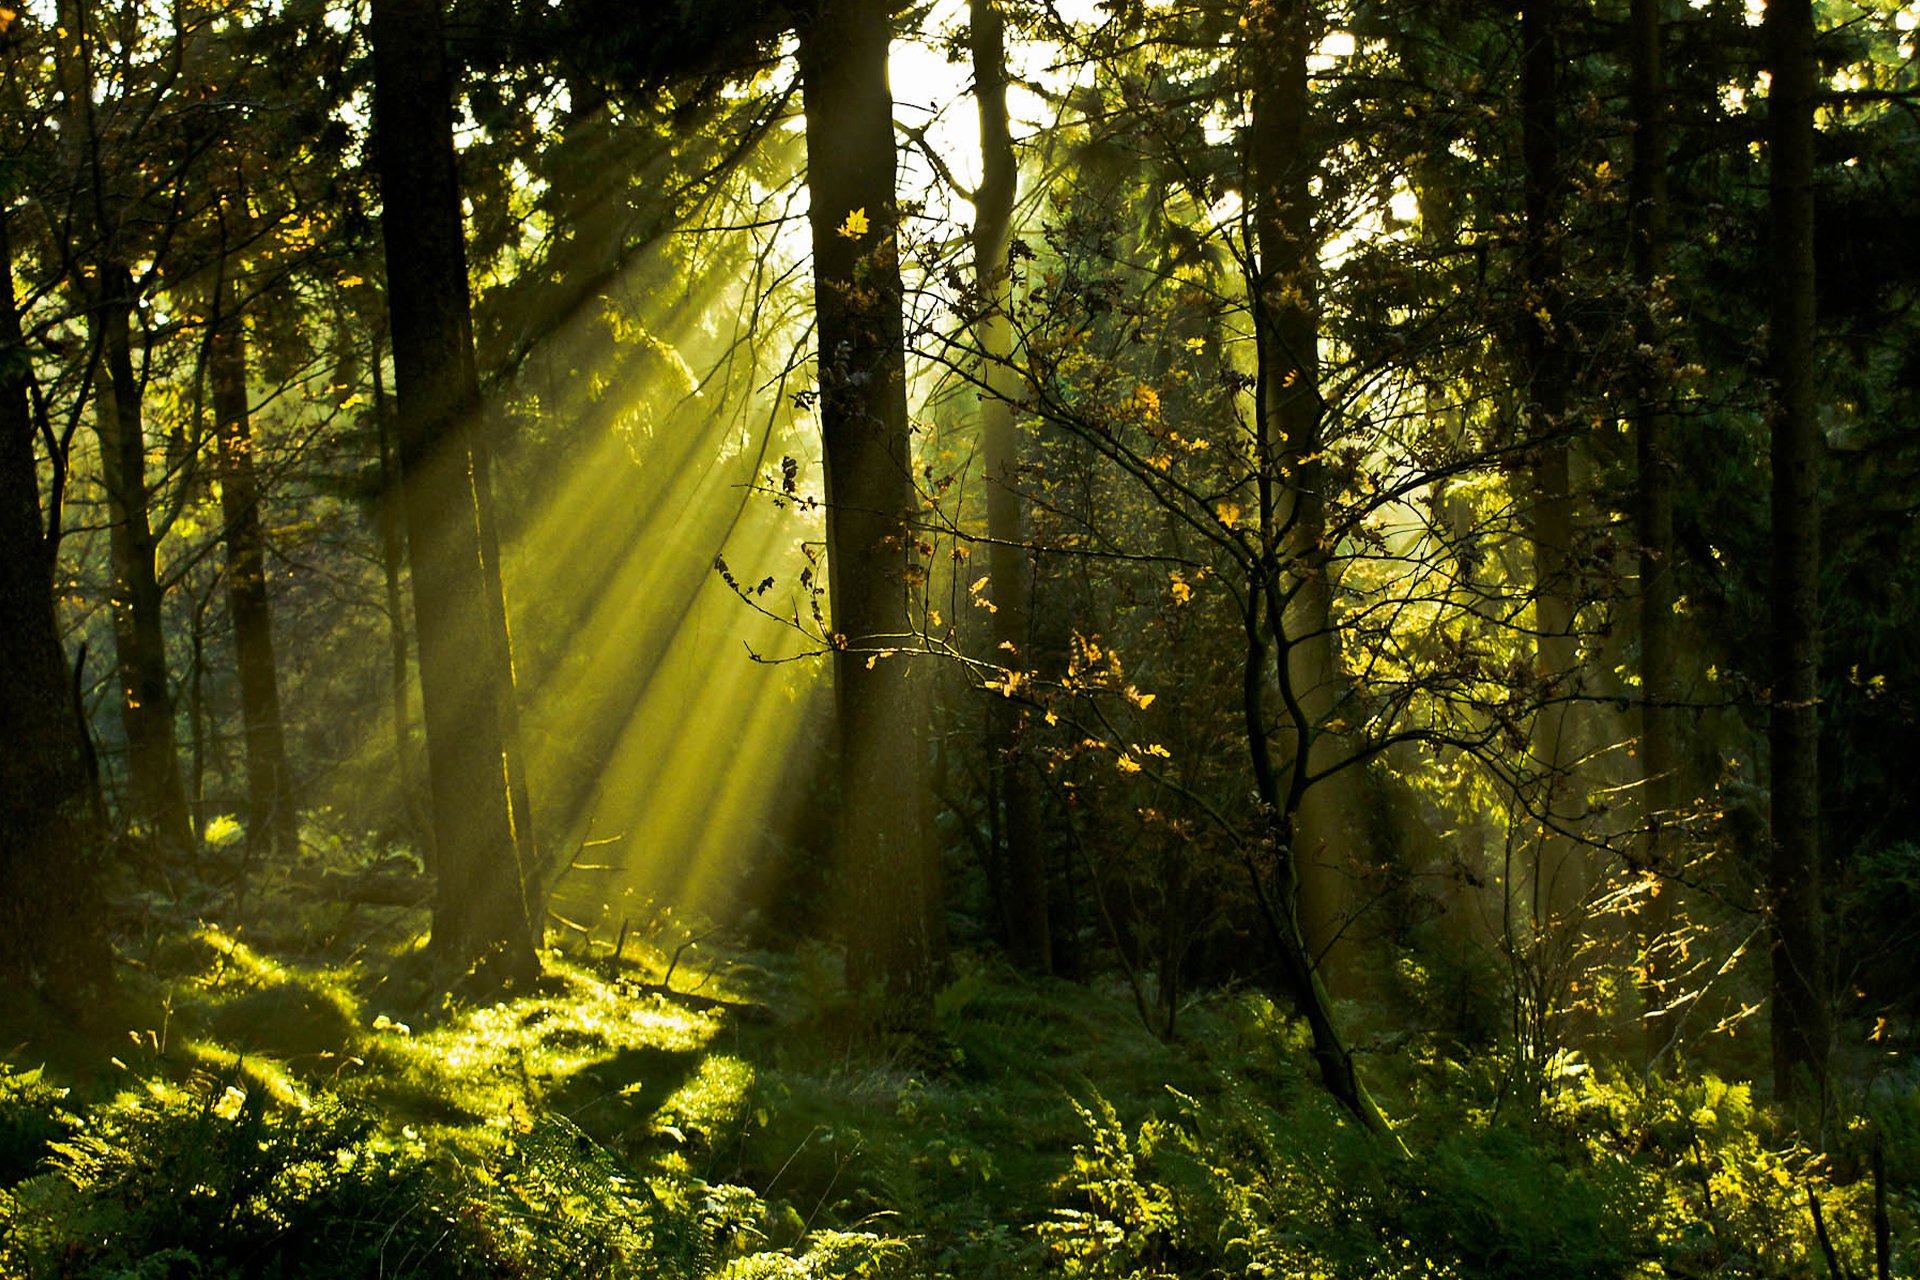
<point x="51" y="831"/>
<point x="875" y="571"/>
<point x="1800" y="1030"/>
<point x="1328" y="811"/>
<point x="272" y="819"/>
<point x="139" y="632"/>
<point x="1559" y="875"/>
<point x="482" y="843"/>
<point x="1297" y="638"/>
<point x="146" y="706"/>
<point x="1653" y="429"/>
<point x="1025" y="887"/>
<point x="391" y="519"/>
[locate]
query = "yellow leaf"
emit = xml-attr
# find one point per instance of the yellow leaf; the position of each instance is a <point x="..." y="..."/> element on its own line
<point x="1127" y="764"/>
<point x="856" y="224"/>
<point x="1229" y="513"/>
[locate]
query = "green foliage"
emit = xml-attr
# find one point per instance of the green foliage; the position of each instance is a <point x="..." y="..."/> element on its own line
<point x="1719" y="1193"/>
<point x="209" y="1178"/>
<point x="1679" y="1177"/>
<point x="1247" y="1185"/>
<point x="30" y="1120"/>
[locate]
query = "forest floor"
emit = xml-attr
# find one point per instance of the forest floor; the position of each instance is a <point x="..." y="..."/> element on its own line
<point x="290" y="1078"/>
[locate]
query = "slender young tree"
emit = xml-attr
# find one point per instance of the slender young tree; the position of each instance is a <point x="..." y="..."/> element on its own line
<point x="1295" y="633"/>
<point x="106" y="292"/>
<point x="1653" y="451"/>
<point x="484" y="908"/>
<point x="1800" y="1016"/>
<point x="272" y="819"/>
<point x="874" y="561"/>
<point x="1025" y="883"/>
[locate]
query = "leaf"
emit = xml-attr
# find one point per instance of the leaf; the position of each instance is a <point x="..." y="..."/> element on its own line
<point x="856" y="224"/>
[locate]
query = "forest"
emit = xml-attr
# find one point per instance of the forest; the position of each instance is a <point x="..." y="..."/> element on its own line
<point x="777" y="639"/>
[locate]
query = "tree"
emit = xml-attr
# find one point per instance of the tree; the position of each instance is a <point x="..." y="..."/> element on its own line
<point x="272" y="819"/>
<point x="106" y="289"/>
<point x="1653" y="454"/>
<point x="52" y="823"/>
<point x="874" y="556"/>
<point x="1800" y="1015"/>
<point x="1288" y="596"/>
<point x="486" y="908"/>
<point x="1025" y="883"/>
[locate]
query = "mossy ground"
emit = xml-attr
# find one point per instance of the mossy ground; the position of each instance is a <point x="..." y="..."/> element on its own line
<point x="734" y="1105"/>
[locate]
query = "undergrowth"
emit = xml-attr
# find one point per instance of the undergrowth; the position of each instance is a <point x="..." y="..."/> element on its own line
<point x="269" y="1112"/>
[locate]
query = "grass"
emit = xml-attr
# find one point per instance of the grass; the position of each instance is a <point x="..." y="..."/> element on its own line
<point x="728" y="1111"/>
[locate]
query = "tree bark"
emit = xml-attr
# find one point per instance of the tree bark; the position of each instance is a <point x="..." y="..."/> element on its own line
<point x="1294" y="891"/>
<point x="159" y="799"/>
<point x="1025" y="888"/>
<point x="139" y="631"/>
<point x="483" y="853"/>
<point x="391" y="518"/>
<point x="272" y="818"/>
<point x="895" y="936"/>
<point x="1653" y="430"/>
<point x="1800" y="1017"/>
<point x="52" y="833"/>
<point x="1559" y="875"/>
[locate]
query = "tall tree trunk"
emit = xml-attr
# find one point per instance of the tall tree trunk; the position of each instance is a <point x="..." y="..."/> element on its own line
<point x="1559" y="874"/>
<point x="875" y="570"/>
<point x="272" y="819"/>
<point x="1328" y="811"/>
<point x="483" y="854"/>
<point x="1292" y="887"/>
<point x="1800" y="1018"/>
<point x="146" y="704"/>
<point x="391" y="519"/>
<point x="1653" y="429"/>
<point x="52" y="834"/>
<point x="1025" y="888"/>
<point x="140" y="646"/>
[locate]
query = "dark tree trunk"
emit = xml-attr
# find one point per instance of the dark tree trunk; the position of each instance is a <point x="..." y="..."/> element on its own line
<point x="875" y="571"/>
<point x="483" y="853"/>
<point x="1653" y="429"/>
<point x="52" y="835"/>
<point x="272" y="820"/>
<point x="1800" y="1030"/>
<point x="391" y="519"/>
<point x="140" y="646"/>
<point x="1025" y="883"/>
<point x="1296" y="639"/>
<point x="146" y="704"/>
<point x="1560" y="874"/>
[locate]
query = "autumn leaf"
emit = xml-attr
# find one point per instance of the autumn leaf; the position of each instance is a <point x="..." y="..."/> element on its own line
<point x="856" y="224"/>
